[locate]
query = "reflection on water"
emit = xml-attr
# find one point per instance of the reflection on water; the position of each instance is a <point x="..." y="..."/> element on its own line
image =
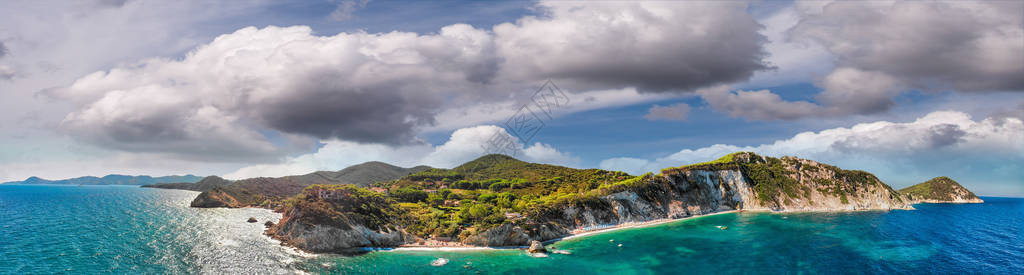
<point x="117" y="229"/>
<point x="126" y="229"/>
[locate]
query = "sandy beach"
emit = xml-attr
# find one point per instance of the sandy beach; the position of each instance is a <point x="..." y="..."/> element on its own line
<point x="574" y="234"/>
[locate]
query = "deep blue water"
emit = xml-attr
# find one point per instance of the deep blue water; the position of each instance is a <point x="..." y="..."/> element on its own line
<point x="118" y="229"/>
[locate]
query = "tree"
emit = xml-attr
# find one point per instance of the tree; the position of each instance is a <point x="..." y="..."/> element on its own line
<point x="408" y="194"/>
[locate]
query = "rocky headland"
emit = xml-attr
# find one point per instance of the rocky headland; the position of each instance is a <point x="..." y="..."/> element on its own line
<point x="503" y="202"/>
<point x="498" y="201"/>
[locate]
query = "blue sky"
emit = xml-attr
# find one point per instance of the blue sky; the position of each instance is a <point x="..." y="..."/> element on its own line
<point x="906" y="90"/>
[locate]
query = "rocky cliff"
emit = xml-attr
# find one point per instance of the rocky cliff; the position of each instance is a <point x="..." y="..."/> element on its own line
<point x="939" y="190"/>
<point x="336" y="218"/>
<point x="741" y="181"/>
<point x="744" y="181"/>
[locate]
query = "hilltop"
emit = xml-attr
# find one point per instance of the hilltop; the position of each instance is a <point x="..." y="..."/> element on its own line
<point x="207" y="183"/>
<point x="497" y="200"/>
<point x="939" y="190"/>
<point x="111" y="180"/>
<point x="271" y="192"/>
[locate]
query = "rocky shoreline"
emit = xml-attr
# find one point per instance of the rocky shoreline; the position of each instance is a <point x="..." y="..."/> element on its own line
<point x="341" y="218"/>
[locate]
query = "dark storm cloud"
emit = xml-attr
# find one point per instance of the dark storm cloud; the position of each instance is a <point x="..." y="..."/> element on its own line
<point x="370" y="115"/>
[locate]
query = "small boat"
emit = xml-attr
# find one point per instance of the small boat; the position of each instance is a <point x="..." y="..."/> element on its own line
<point x="611" y="241"/>
<point x="724" y="227"/>
<point x="563" y="252"/>
<point x="439" y="262"/>
<point x="620" y="245"/>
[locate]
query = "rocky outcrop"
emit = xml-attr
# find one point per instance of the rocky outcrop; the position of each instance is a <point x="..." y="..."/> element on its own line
<point x="536" y="247"/>
<point x="511" y="234"/>
<point x="333" y="237"/>
<point x="337" y="218"/>
<point x="215" y="198"/>
<point x="939" y="190"/>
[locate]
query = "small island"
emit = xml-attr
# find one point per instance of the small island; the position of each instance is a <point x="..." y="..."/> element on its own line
<point x="940" y="190"/>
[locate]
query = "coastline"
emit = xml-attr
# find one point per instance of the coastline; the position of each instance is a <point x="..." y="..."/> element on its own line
<point x="596" y="231"/>
<point x="576" y="234"/>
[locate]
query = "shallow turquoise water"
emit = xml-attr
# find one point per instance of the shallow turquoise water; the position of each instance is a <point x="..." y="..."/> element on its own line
<point x="118" y="229"/>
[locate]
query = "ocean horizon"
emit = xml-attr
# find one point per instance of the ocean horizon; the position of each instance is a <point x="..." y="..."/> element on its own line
<point x="126" y="229"/>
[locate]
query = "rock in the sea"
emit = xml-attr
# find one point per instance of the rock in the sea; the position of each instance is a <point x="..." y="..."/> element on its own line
<point x="268" y="224"/>
<point x="252" y="220"/>
<point x="536" y="247"/>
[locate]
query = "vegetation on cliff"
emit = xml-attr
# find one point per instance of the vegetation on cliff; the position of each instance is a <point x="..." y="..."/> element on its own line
<point x="940" y="189"/>
<point x="485" y="196"/>
<point x="487" y="192"/>
<point x="777" y="180"/>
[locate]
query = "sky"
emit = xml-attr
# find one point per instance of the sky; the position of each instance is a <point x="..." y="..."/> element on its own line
<point x="906" y="90"/>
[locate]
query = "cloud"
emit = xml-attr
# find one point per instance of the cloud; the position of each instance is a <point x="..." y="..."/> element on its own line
<point x="846" y="91"/>
<point x="653" y="46"/>
<point x="944" y="143"/>
<point x="464" y="145"/>
<point x="882" y="49"/>
<point x="346" y="8"/>
<point x="6" y="73"/>
<point x="676" y="112"/>
<point x="966" y="46"/>
<point x="383" y="88"/>
<point x="359" y="87"/>
<point x="3" y="49"/>
<point x="759" y="105"/>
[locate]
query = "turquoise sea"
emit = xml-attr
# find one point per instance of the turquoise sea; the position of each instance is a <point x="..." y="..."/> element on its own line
<point x="124" y="229"/>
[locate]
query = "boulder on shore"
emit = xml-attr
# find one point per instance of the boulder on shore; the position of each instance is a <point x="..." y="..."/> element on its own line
<point x="268" y="224"/>
<point x="536" y="247"/>
<point x="252" y="220"/>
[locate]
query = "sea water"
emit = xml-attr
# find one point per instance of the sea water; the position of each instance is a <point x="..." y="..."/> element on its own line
<point x="118" y="229"/>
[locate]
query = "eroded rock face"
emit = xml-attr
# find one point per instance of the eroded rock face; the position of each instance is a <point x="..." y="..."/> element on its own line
<point x="215" y="198"/>
<point x="333" y="238"/>
<point x="536" y="247"/>
<point x="683" y="193"/>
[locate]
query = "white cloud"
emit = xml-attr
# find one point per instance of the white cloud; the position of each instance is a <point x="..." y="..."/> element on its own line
<point x="6" y="72"/>
<point x="945" y="143"/>
<point x="653" y="46"/>
<point x="387" y="87"/>
<point x="464" y="145"/>
<point x="346" y="8"/>
<point x="877" y="50"/>
<point x="759" y="105"/>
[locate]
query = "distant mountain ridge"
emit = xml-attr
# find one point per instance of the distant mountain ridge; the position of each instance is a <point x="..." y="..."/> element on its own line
<point x="113" y="179"/>
<point x="270" y="192"/>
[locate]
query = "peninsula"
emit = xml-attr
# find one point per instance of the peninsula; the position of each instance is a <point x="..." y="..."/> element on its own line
<point x="499" y="201"/>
